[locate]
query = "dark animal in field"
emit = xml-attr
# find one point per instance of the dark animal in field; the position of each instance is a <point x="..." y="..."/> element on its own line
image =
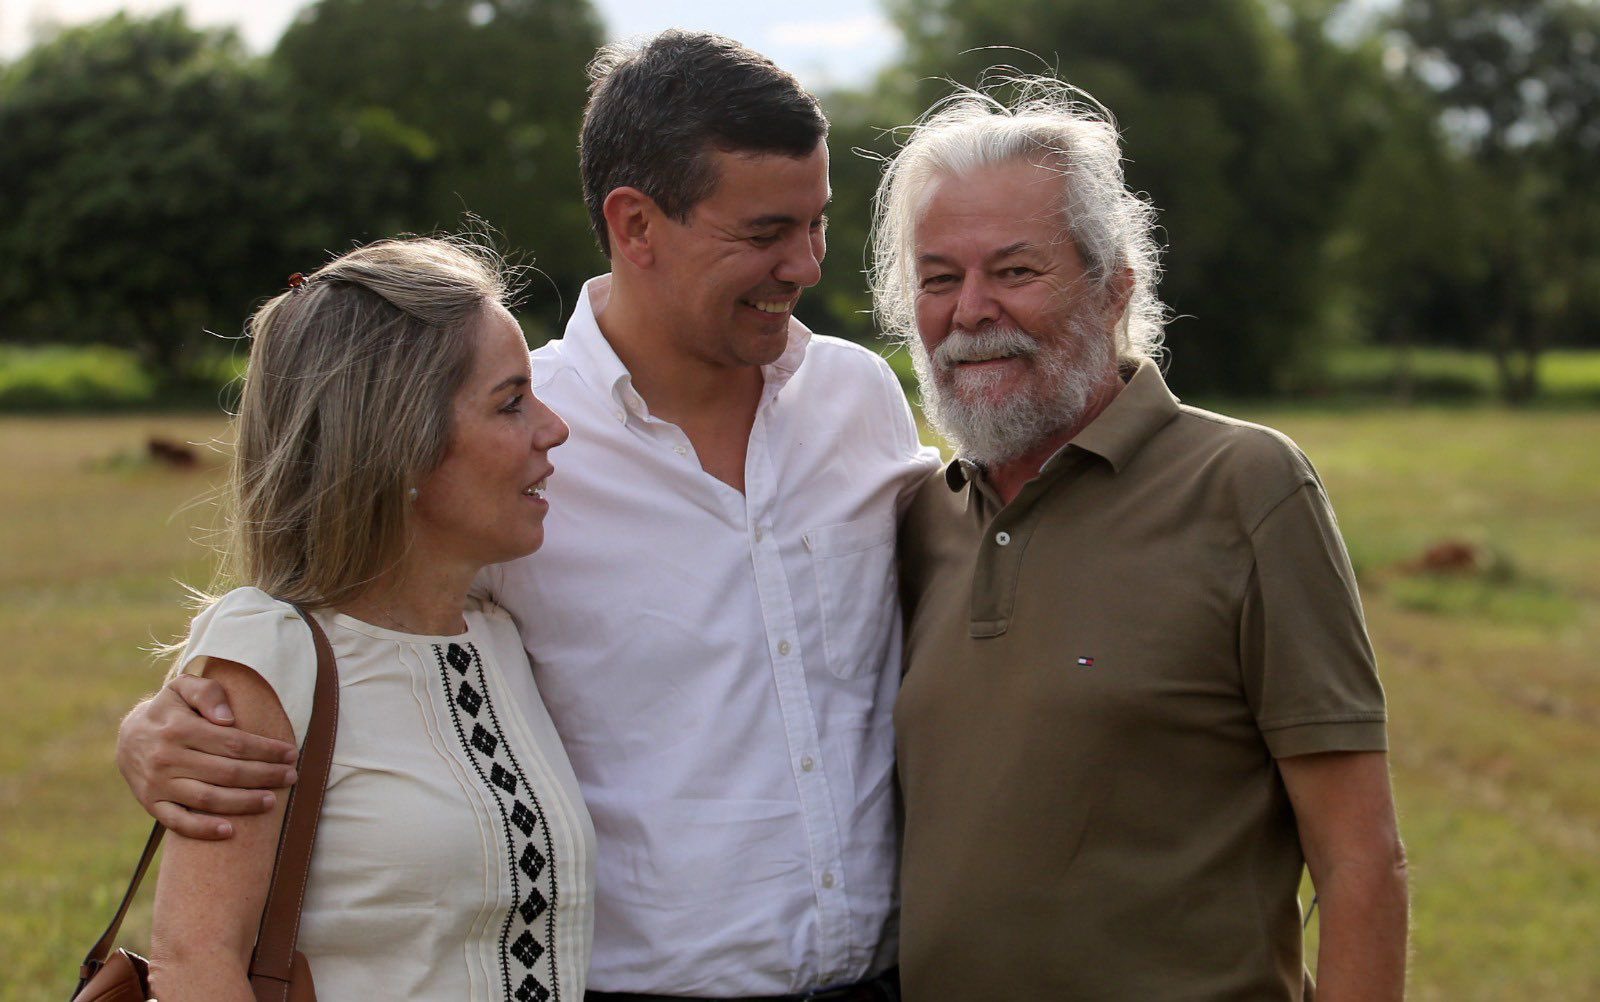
<point x="1450" y="556"/>
<point x="166" y="452"/>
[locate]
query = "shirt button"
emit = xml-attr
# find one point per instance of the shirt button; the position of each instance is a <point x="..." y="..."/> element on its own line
<point x="1003" y="538"/>
<point x="758" y="533"/>
<point x="680" y="450"/>
<point x="783" y="648"/>
<point x="827" y="880"/>
<point x="807" y="764"/>
<point x="621" y="416"/>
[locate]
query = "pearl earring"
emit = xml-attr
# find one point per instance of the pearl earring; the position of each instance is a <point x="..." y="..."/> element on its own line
<point x="411" y="495"/>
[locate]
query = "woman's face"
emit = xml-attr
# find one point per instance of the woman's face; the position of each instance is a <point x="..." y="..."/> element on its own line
<point x="485" y="502"/>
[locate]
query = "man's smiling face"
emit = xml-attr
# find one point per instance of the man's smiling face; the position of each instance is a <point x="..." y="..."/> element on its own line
<point x="1014" y="334"/>
<point x="733" y="272"/>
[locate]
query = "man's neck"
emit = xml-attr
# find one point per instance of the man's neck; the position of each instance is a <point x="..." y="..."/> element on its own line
<point x="678" y="386"/>
<point x="1009" y="477"/>
<point x="714" y="405"/>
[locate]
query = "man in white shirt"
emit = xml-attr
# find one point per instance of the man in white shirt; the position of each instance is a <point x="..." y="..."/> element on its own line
<point x="713" y="619"/>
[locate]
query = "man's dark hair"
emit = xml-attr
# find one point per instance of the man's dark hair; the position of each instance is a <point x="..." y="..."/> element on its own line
<point x="656" y="112"/>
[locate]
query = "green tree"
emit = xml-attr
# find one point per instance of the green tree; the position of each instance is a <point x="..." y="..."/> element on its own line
<point x="1411" y="252"/>
<point x="154" y="182"/>
<point x="1515" y="86"/>
<point x="495" y="87"/>
<point x="1232" y="124"/>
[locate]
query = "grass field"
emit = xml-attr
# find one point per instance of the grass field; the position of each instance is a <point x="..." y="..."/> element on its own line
<point x="100" y="378"/>
<point x="1566" y="377"/>
<point x="1493" y="677"/>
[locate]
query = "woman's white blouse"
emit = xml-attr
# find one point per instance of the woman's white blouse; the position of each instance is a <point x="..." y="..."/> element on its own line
<point x="454" y="858"/>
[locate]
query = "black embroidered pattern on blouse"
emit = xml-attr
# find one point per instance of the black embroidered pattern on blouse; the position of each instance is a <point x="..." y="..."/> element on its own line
<point x="524" y="938"/>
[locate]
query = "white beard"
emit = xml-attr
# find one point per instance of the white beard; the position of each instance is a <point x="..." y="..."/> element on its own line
<point x="1067" y="371"/>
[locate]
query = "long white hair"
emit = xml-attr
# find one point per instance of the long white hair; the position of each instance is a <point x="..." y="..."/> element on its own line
<point x="1050" y="123"/>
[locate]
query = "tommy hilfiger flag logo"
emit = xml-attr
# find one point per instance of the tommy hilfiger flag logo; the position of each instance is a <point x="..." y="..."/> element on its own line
<point x="1086" y="662"/>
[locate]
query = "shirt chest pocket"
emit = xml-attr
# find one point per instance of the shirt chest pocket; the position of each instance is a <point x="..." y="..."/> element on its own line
<point x="855" y="572"/>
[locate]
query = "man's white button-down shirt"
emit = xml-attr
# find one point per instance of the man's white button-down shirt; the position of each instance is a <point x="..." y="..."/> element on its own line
<point x="722" y="666"/>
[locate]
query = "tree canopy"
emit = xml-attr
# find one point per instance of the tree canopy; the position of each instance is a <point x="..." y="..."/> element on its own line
<point x="134" y="194"/>
<point x="156" y="179"/>
<point x="1325" y="174"/>
<point x="1513" y="88"/>
<point x="493" y="90"/>
<point x="154" y="182"/>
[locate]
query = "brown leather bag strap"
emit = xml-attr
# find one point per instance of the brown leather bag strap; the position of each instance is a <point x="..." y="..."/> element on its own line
<point x="280" y="919"/>
<point x="96" y="957"/>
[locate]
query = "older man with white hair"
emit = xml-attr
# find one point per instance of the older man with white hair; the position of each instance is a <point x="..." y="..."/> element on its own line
<point x="1139" y="697"/>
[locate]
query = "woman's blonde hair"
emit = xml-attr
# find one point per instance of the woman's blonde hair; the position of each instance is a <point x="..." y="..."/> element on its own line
<point x="347" y="403"/>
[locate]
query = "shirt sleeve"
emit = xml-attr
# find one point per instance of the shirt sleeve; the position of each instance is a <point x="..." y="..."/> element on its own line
<point x="1308" y="665"/>
<point x="252" y="628"/>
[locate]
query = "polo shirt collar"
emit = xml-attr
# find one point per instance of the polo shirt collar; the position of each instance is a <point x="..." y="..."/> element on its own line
<point x="595" y="359"/>
<point x="1116" y="435"/>
<point x="1121" y="430"/>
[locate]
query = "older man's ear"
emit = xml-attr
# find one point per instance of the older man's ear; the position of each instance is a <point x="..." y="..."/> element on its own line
<point x="1120" y="292"/>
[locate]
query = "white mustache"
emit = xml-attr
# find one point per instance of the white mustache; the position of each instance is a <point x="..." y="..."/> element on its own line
<point x="995" y="342"/>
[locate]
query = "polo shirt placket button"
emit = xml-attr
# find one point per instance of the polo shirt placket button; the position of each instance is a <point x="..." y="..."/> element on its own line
<point x="783" y="648"/>
<point x="827" y="880"/>
<point x="807" y="764"/>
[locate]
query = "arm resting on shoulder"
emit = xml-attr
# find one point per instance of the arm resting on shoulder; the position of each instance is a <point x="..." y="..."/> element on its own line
<point x="181" y="754"/>
<point x="210" y="894"/>
<point x="1345" y="811"/>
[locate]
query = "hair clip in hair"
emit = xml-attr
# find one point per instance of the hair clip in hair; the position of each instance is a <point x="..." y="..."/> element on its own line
<point x="297" y="280"/>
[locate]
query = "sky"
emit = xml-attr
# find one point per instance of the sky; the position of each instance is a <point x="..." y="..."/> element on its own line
<point x="826" y="43"/>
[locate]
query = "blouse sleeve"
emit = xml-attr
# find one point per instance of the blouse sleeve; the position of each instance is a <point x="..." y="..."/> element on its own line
<point x="252" y="628"/>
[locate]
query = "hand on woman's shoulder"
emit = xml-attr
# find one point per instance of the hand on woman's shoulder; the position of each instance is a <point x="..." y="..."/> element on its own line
<point x="250" y="628"/>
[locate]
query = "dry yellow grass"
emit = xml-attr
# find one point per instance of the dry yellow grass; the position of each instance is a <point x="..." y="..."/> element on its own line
<point x="93" y="542"/>
<point x="1494" y="682"/>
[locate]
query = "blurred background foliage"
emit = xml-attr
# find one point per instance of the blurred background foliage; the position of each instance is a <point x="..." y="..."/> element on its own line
<point x="1411" y="180"/>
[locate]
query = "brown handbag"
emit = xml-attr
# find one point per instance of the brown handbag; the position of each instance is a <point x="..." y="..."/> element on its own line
<point x="278" y="972"/>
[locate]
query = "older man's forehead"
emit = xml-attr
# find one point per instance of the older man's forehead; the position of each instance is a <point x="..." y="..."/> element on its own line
<point x="1018" y="248"/>
<point x="1015" y="187"/>
<point x="985" y="220"/>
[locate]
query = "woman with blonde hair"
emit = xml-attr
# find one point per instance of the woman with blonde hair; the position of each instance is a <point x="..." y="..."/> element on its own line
<point x="389" y="447"/>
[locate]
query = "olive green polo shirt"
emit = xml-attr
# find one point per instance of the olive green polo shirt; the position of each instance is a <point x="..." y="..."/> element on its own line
<point x="1099" y="677"/>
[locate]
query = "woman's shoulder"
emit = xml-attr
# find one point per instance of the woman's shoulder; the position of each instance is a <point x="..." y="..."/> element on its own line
<point x="249" y="627"/>
<point x="246" y="601"/>
<point x="253" y="617"/>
